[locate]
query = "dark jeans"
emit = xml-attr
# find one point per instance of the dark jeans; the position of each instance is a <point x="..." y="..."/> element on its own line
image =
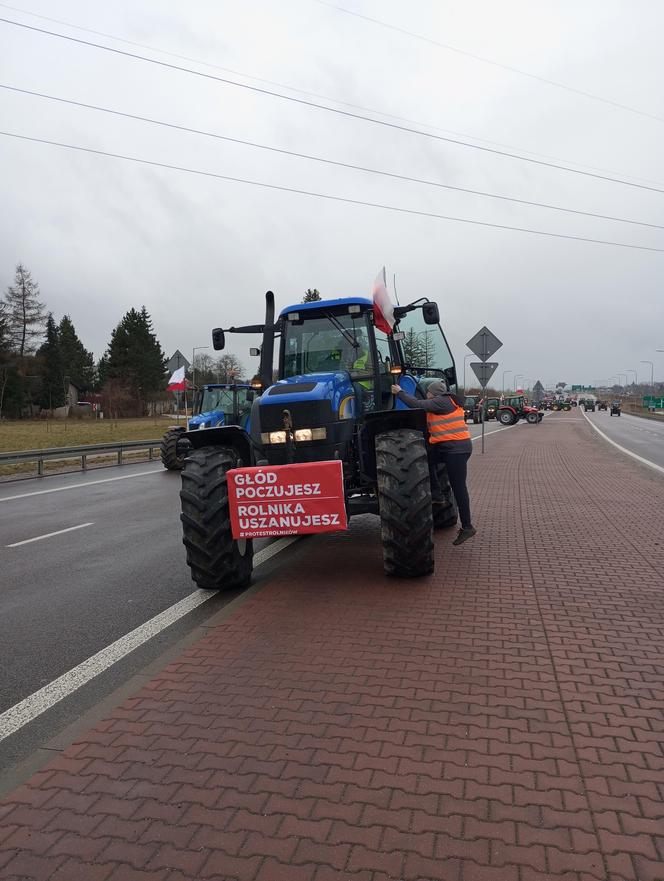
<point x="457" y="467"/>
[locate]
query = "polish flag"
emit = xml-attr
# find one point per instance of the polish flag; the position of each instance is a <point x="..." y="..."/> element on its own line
<point x="177" y="382"/>
<point x="383" y="308"/>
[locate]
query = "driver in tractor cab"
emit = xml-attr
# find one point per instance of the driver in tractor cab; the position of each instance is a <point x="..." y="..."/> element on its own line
<point x="361" y="363"/>
<point x="448" y="444"/>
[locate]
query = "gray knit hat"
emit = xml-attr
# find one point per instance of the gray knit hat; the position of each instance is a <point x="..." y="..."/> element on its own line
<point x="437" y="387"/>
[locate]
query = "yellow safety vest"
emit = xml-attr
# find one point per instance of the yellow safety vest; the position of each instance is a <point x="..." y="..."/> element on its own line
<point x="447" y="427"/>
<point x="361" y="364"/>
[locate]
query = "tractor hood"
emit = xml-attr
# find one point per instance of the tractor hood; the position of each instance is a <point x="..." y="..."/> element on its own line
<point x="209" y="419"/>
<point x="330" y="394"/>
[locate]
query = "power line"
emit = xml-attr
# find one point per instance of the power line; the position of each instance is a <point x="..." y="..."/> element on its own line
<point x="475" y="57"/>
<point x="335" y="110"/>
<point x="327" y="196"/>
<point x="315" y="94"/>
<point x="326" y="161"/>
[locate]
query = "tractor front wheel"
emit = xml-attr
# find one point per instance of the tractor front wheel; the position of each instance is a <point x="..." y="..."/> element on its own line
<point x="216" y="560"/>
<point x="404" y="499"/>
<point x="533" y="418"/>
<point x="170" y="458"/>
<point x="506" y="417"/>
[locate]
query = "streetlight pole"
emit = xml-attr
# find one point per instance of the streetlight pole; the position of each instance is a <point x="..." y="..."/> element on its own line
<point x="505" y="372"/>
<point x="652" y="375"/>
<point x="620" y="376"/>
<point x="636" y="375"/>
<point x="516" y="385"/>
<point x="469" y="355"/>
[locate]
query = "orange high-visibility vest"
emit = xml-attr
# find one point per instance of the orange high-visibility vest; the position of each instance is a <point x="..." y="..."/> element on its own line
<point x="449" y="427"/>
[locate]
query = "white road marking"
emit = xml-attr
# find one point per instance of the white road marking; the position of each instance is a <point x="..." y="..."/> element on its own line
<point x="624" y="449"/>
<point x="59" y="489"/>
<point x="28" y="709"/>
<point x="28" y="541"/>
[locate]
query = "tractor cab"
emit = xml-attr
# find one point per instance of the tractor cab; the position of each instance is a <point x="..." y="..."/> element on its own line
<point x="222" y="404"/>
<point x="335" y="368"/>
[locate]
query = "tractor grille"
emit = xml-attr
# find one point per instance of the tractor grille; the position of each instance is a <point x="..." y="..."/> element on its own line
<point x="306" y="414"/>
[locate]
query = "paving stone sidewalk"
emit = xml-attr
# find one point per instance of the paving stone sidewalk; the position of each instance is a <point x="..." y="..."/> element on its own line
<point x="500" y="721"/>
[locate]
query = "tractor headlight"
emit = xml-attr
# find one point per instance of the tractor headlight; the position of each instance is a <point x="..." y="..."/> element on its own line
<point x="310" y="434"/>
<point x="301" y="434"/>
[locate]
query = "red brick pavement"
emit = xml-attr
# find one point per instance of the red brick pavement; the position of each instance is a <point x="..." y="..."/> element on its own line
<point x="500" y="721"/>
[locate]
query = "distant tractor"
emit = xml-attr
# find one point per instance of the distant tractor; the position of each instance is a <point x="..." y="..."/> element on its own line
<point x="601" y="405"/>
<point x="216" y="404"/>
<point x="615" y="408"/>
<point x="589" y="405"/>
<point x="513" y="408"/>
<point x="485" y="409"/>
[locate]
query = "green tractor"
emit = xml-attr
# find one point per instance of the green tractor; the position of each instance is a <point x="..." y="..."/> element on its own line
<point x="331" y="400"/>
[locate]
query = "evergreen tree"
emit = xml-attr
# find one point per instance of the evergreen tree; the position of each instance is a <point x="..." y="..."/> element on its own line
<point x="311" y="295"/>
<point x="54" y="383"/>
<point x="25" y="313"/>
<point x="412" y="349"/>
<point x="8" y="374"/>
<point x="78" y="363"/>
<point x="135" y="358"/>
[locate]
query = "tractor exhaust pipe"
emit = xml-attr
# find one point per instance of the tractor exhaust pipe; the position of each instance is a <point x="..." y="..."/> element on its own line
<point x="267" y="349"/>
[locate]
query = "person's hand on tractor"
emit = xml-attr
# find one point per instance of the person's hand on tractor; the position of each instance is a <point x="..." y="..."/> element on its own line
<point x="395" y="389"/>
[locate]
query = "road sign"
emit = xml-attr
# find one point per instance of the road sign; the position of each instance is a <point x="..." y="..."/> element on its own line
<point x="484" y="344"/>
<point x="484" y="372"/>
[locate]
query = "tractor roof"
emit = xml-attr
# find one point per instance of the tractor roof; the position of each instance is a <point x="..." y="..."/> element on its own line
<point x="326" y="304"/>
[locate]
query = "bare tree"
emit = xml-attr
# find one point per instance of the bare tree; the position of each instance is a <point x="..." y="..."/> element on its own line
<point x="25" y="313"/>
<point x="229" y="368"/>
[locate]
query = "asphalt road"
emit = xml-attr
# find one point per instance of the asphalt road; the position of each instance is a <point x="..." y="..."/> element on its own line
<point x="645" y="437"/>
<point x="108" y="558"/>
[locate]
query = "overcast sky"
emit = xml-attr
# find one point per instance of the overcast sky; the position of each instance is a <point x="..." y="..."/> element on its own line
<point x="101" y="235"/>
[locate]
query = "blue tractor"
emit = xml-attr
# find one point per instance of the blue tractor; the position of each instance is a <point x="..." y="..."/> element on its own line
<point x="215" y="405"/>
<point x="331" y="399"/>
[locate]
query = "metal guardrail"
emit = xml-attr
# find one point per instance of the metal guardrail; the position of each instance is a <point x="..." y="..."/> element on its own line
<point x="82" y="453"/>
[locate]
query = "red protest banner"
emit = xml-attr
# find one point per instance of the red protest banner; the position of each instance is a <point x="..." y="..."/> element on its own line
<point x="272" y="500"/>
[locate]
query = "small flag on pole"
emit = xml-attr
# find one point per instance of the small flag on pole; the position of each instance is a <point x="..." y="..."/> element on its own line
<point x="177" y="382"/>
<point x="383" y="308"/>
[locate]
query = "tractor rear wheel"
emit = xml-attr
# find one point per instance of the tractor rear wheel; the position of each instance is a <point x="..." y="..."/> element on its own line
<point x="169" y="450"/>
<point x="216" y="560"/>
<point x="404" y="499"/>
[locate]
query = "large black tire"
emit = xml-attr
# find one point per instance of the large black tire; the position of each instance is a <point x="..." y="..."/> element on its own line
<point x="169" y="451"/>
<point x="506" y="417"/>
<point x="445" y="516"/>
<point x="217" y="562"/>
<point x="404" y="500"/>
<point x="533" y="418"/>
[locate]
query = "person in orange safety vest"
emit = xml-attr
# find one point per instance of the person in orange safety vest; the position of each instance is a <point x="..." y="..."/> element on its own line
<point x="448" y="444"/>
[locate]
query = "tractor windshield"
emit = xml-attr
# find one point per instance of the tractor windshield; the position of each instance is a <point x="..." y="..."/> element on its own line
<point x="425" y="349"/>
<point x="220" y="399"/>
<point x="325" y="343"/>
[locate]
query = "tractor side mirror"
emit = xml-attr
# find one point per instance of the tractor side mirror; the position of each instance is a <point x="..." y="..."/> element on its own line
<point x="450" y="376"/>
<point x="254" y="352"/>
<point x="430" y="313"/>
<point x="218" y="339"/>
